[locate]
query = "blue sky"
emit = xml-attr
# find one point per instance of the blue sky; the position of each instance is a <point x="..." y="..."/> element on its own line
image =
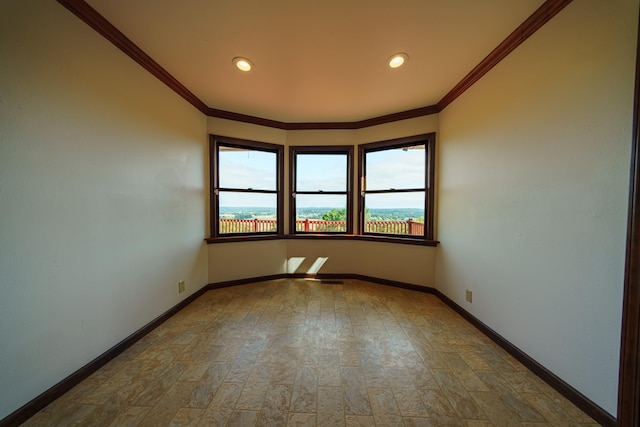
<point x="327" y="172"/>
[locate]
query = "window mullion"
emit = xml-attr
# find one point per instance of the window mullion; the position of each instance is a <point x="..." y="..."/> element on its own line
<point x="395" y="190"/>
<point x="338" y="193"/>
<point x="246" y="190"/>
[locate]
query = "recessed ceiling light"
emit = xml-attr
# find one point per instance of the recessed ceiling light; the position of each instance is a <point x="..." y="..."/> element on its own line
<point x="397" y="59"/>
<point x="243" y="64"/>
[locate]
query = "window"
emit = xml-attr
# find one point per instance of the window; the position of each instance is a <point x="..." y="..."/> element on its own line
<point x="246" y="187"/>
<point x="321" y="195"/>
<point x="396" y="187"/>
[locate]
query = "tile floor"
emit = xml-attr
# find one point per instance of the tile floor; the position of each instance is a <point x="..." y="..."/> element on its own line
<point x="304" y="353"/>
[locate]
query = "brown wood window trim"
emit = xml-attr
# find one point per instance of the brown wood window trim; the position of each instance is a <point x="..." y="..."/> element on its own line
<point x="309" y="236"/>
<point x="294" y="151"/>
<point x="243" y="238"/>
<point x="358" y="237"/>
<point x="429" y="141"/>
<point x="217" y="141"/>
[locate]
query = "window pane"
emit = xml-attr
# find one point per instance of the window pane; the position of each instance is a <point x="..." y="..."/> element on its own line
<point x="395" y="213"/>
<point x="245" y="168"/>
<point x="321" y="213"/>
<point x="326" y="172"/>
<point x="396" y="168"/>
<point x="247" y="212"/>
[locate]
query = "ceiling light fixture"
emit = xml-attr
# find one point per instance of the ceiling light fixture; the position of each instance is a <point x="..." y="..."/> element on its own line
<point x="243" y="64"/>
<point x="397" y="60"/>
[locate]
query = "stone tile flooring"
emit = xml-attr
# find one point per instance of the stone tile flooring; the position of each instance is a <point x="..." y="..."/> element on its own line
<point x="304" y="353"/>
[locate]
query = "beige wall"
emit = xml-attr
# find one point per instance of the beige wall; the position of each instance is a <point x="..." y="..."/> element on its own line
<point x="249" y="131"/>
<point x="533" y="169"/>
<point x="102" y="197"/>
<point x="245" y="260"/>
<point x="403" y="263"/>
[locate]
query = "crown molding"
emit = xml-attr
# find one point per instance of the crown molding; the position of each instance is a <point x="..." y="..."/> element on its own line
<point x="533" y="23"/>
<point x="91" y="17"/>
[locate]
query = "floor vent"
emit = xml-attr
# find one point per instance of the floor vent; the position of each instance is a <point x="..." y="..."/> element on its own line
<point x="331" y="282"/>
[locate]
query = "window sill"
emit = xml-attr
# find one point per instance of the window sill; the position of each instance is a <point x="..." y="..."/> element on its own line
<point x="243" y="238"/>
<point x="353" y="237"/>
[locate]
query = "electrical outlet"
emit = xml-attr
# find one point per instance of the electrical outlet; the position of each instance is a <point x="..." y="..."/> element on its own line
<point x="181" y="286"/>
<point x="469" y="296"/>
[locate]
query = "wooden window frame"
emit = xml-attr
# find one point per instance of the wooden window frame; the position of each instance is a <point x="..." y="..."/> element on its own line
<point x="215" y="141"/>
<point x="429" y="140"/>
<point x="335" y="149"/>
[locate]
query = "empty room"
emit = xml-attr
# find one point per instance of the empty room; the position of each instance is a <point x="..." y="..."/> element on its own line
<point x="350" y="213"/>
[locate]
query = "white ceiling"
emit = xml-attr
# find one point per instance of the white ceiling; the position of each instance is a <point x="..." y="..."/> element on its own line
<point x="317" y="60"/>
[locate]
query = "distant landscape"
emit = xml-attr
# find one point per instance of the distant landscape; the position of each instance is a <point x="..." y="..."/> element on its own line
<point x="397" y="214"/>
